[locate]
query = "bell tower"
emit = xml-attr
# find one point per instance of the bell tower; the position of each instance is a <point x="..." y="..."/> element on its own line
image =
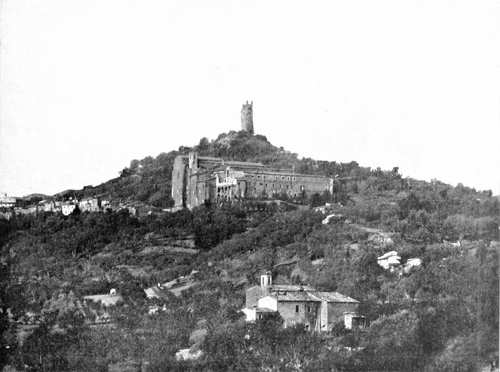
<point x="266" y="280"/>
<point x="247" y="117"/>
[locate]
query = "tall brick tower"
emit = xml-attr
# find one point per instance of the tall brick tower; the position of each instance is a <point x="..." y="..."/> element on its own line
<point x="247" y="117"/>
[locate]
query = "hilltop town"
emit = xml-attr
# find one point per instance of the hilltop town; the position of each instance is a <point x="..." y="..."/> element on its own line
<point x="235" y="254"/>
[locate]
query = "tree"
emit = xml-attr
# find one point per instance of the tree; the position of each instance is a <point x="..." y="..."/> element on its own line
<point x="203" y="145"/>
<point x="392" y="343"/>
<point x="61" y="326"/>
<point x="5" y="344"/>
<point x="316" y="200"/>
<point x="134" y="165"/>
<point x="125" y="172"/>
<point x="460" y="355"/>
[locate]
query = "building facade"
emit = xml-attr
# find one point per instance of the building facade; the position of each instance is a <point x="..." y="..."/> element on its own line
<point x="196" y="180"/>
<point x="7" y="201"/>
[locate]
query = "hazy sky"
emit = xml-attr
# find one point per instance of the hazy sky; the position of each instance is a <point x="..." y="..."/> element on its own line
<point x="88" y="85"/>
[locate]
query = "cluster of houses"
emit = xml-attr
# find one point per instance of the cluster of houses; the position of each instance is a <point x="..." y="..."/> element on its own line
<point x="10" y="206"/>
<point x="65" y="207"/>
<point x="392" y="261"/>
<point x="7" y="201"/>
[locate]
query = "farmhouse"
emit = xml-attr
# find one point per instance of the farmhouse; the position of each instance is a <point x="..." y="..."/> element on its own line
<point x="318" y="311"/>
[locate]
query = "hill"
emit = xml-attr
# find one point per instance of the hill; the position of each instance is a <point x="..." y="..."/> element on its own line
<point x="442" y="315"/>
<point x="149" y="180"/>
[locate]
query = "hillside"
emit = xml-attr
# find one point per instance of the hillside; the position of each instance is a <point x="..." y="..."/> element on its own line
<point x="149" y="180"/>
<point x="439" y="316"/>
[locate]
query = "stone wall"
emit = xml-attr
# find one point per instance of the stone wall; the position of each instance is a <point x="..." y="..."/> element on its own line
<point x="268" y="302"/>
<point x="272" y="183"/>
<point x="199" y="179"/>
<point x="178" y="181"/>
<point x="306" y="313"/>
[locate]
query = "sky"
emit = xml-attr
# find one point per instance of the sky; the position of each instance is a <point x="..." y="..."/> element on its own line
<point x="88" y="85"/>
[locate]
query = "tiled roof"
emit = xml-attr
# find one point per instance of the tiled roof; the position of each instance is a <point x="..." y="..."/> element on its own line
<point x="296" y="293"/>
<point x="242" y="163"/>
<point x="333" y="297"/>
<point x="296" y="297"/>
<point x="289" y="287"/>
<point x="312" y="296"/>
<point x="283" y="287"/>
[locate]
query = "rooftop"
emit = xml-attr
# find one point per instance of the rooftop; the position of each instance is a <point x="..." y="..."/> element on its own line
<point x="333" y="297"/>
<point x="303" y="293"/>
<point x="290" y="287"/>
<point x="295" y="297"/>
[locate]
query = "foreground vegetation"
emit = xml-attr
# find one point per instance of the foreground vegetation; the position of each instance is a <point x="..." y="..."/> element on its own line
<point x="441" y="316"/>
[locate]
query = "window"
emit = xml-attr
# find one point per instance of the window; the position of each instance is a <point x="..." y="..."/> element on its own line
<point x="308" y="308"/>
<point x="296" y="308"/>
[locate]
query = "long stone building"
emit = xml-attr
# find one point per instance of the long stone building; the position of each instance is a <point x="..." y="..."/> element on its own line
<point x="197" y="179"/>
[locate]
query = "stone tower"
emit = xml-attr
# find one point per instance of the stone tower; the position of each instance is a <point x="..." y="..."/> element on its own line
<point x="247" y="117"/>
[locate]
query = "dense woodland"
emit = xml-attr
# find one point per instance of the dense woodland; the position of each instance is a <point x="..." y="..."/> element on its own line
<point x="441" y="316"/>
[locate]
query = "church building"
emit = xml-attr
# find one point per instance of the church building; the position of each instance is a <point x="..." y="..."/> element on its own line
<point x="297" y="304"/>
